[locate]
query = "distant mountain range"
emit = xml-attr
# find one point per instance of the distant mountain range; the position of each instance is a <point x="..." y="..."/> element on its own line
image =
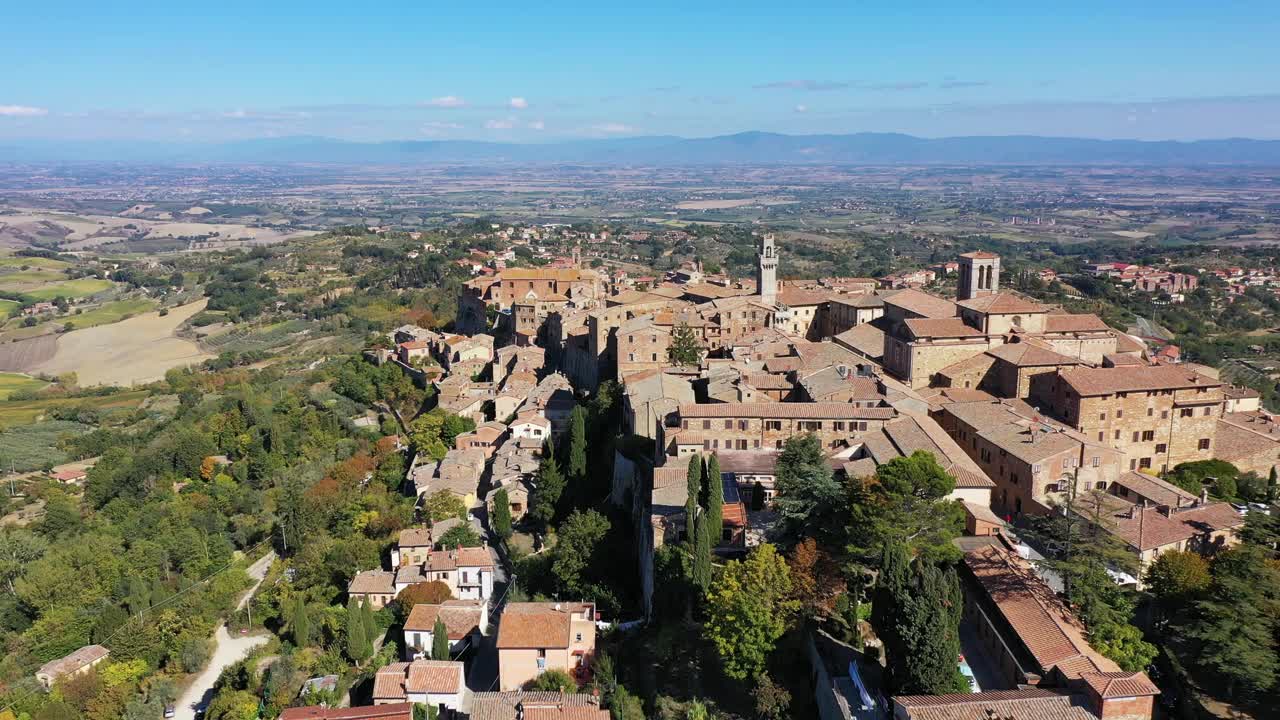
<point x="742" y="148"/>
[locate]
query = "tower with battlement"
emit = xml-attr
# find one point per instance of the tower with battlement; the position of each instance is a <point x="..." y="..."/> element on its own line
<point x="767" y="272"/>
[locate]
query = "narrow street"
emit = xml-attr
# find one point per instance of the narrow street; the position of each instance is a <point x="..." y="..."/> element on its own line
<point x="227" y="651"/>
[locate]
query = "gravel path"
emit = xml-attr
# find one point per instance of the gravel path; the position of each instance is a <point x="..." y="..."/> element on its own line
<point x="228" y="651"/>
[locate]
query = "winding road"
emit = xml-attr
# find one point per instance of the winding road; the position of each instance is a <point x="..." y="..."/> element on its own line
<point x="228" y="650"/>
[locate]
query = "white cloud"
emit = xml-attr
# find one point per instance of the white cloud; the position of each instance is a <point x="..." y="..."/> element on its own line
<point x="537" y="125"/>
<point x="447" y="101"/>
<point x="613" y="128"/>
<point x="21" y="111"/>
<point x="519" y="103"/>
<point x="439" y="128"/>
<point x="506" y="124"/>
<point x="802" y="108"/>
<point x="237" y="114"/>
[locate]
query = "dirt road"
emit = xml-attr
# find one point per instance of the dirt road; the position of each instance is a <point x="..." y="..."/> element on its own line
<point x="228" y="651"/>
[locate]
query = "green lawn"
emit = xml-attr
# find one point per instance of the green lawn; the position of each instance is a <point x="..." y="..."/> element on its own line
<point x="10" y="382"/>
<point x="111" y="312"/>
<point x="70" y="289"/>
<point x="7" y="305"/>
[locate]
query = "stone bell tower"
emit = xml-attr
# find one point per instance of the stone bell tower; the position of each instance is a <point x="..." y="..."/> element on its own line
<point x="767" y="273"/>
<point x="979" y="275"/>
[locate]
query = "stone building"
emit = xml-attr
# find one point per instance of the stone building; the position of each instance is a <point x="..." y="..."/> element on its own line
<point x="757" y="425"/>
<point x="1156" y="416"/>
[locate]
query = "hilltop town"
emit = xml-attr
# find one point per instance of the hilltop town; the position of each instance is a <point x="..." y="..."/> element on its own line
<point x="1029" y="410"/>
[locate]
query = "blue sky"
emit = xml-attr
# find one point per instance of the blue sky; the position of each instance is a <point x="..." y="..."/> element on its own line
<point x="548" y="71"/>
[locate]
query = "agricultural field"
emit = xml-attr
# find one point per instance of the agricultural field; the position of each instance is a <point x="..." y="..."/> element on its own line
<point x="30" y="447"/>
<point x="82" y="287"/>
<point x="24" y="412"/>
<point x="108" y="313"/>
<point x="13" y="382"/>
<point x="137" y="350"/>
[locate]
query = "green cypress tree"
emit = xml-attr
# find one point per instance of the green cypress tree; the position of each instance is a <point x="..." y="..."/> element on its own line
<point x="715" y="498"/>
<point x="549" y="488"/>
<point x="930" y="626"/>
<point x="578" y="445"/>
<point x="694" y="481"/>
<point x="891" y="587"/>
<point x="370" y="625"/>
<point x="301" y="626"/>
<point x="439" y="641"/>
<point x="356" y="638"/>
<point x="702" y="554"/>
<point x="502" y="515"/>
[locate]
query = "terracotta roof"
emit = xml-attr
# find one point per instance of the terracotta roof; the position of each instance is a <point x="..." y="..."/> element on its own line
<point x="980" y="255"/>
<point x="1089" y="381"/>
<point x="829" y="381"/>
<point x="1120" y="684"/>
<point x="782" y="410"/>
<point x="391" y="711"/>
<point x="1155" y="490"/>
<point x="865" y="338"/>
<point x="376" y="582"/>
<point x="940" y="327"/>
<point x="536" y="706"/>
<point x="798" y="297"/>
<point x="414" y="537"/>
<point x="394" y="681"/>
<point x="1026" y="354"/>
<point x="1030" y="704"/>
<point x="83" y="657"/>
<point x="434" y="676"/>
<point x="461" y="618"/>
<point x="1148" y="528"/>
<point x="541" y="274"/>
<point x="768" y="381"/>
<point x="922" y="303"/>
<point x="1237" y="441"/>
<point x="747" y="462"/>
<point x="1002" y="304"/>
<point x="1039" y="619"/>
<point x="537" y="625"/>
<point x="1066" y="323"/>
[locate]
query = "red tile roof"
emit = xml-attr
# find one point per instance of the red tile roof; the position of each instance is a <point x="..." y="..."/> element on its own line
<point x="395" y="711"/>
<point x="1039" y="619"/>
<point x="1029" y="704"/>
<point x="782" y="410"/>
<point x="940" y="327"/>
<point x="1120" y="684"/>
<point x="537" y="625"/>
<point x="1002" y="304"/>
<point x="1073" y="323"/>
<point x="1105" y="381"/>
<point x="460" y="620"/>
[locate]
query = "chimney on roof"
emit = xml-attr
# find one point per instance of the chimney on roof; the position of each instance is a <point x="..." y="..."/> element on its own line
<point x="1204" y="496"/>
